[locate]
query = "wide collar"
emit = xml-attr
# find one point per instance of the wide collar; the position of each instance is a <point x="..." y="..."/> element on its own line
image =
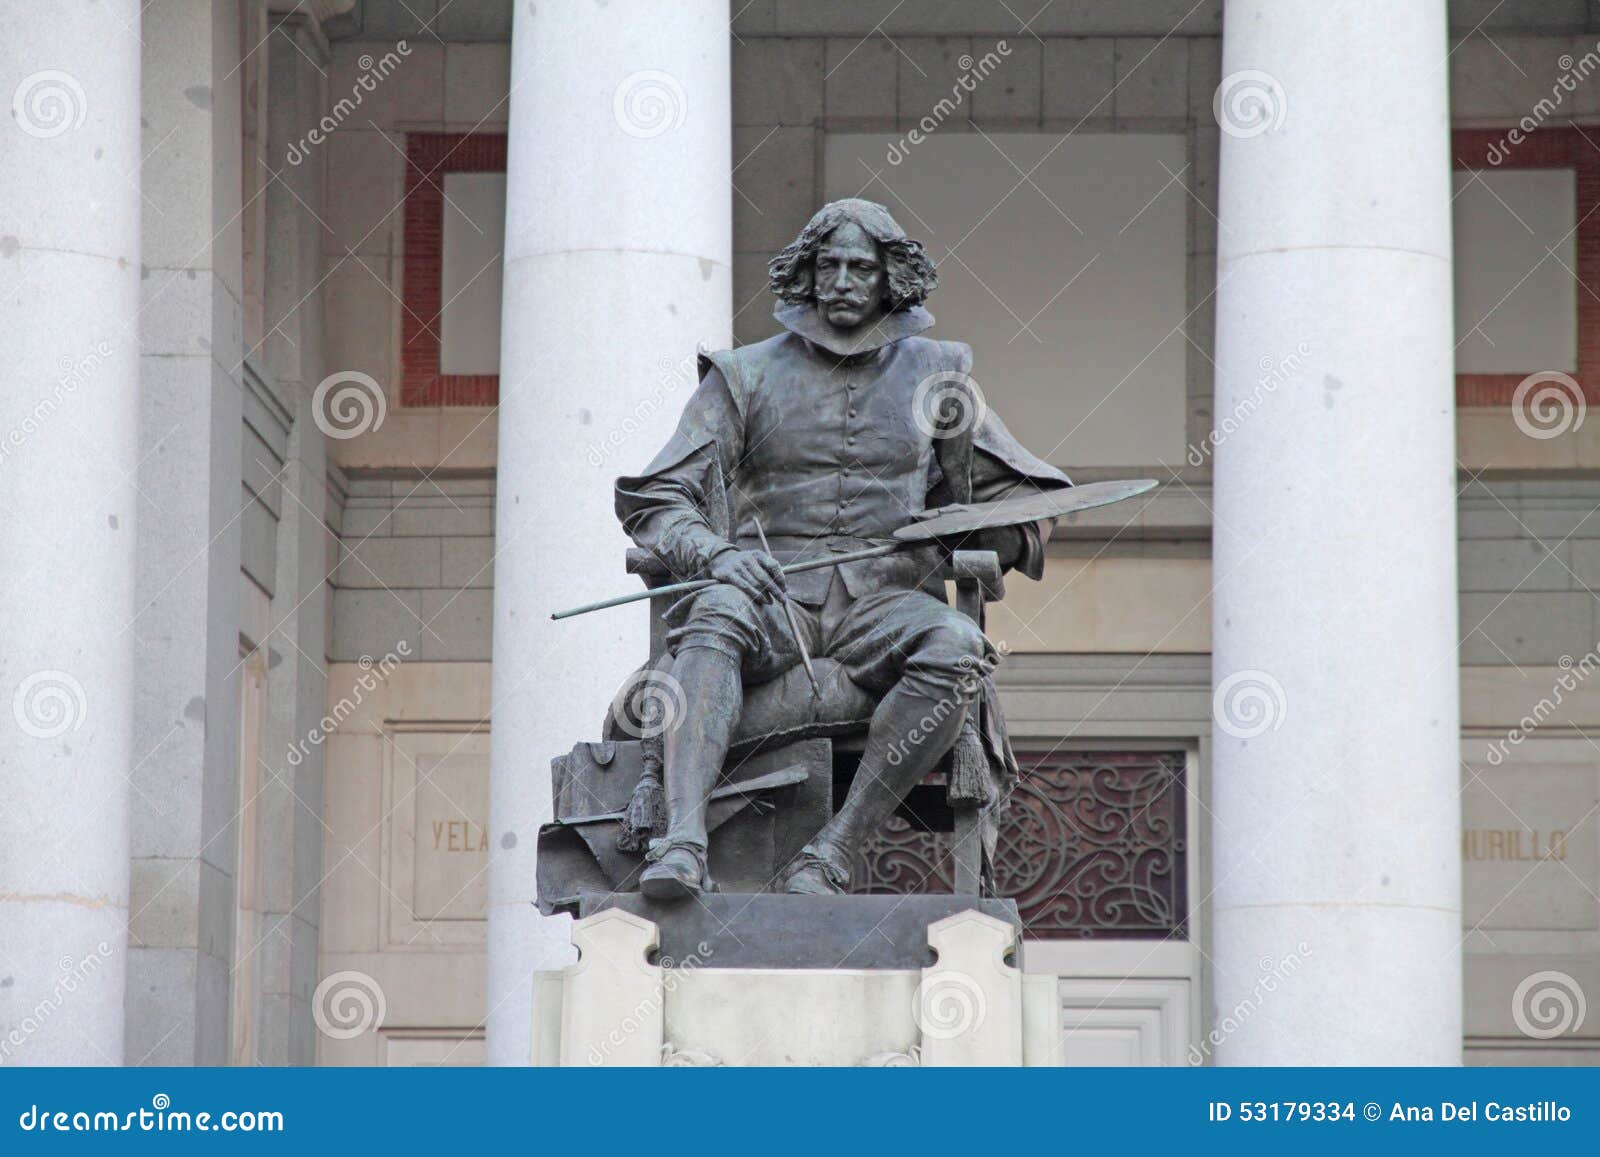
<point x="803" y="320"/>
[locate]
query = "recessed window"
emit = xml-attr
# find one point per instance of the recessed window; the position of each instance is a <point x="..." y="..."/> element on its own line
<point x="474" y="234"/>
<point x="1515" y="270"/>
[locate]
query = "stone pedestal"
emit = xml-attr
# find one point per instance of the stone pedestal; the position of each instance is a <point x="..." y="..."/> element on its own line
<point x="914" y="990"/>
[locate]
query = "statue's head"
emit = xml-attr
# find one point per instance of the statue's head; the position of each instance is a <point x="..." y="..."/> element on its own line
<point x="854" y="263"/>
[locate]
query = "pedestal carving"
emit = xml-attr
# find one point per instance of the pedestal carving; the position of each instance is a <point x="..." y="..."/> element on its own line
<point x="620" y="1006"/>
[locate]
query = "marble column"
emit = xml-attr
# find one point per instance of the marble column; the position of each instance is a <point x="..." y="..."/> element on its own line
<point x="184" y="819"/>
<point x="291" y="834"/>
<point x="617" y="265"/>
<point x="69" y="364"/>
<point x="1337" y="905"/>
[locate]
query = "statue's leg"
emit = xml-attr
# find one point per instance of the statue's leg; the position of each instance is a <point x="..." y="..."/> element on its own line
<point x="931" y="657"/>
<point x="696" y="747"/>
<point x="720" y="631"/>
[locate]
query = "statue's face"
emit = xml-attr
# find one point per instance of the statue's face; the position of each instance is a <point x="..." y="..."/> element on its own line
<point x="850" y="277"/>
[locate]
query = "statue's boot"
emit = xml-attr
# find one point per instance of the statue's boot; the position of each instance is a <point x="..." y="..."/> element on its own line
<point x="695" y="747"/>
<point x="675" y="871"/>
<point x="901" y="749"/>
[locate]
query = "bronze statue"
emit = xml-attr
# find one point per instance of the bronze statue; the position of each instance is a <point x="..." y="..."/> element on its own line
<point x="821" y="442"/>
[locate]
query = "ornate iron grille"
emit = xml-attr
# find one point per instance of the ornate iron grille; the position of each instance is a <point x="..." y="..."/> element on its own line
<point x="1093" y="844"/>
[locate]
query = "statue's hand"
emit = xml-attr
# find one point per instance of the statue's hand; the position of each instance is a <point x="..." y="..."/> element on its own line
<point x="755" y="572"/>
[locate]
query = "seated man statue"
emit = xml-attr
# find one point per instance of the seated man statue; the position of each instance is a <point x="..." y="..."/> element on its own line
<point x="826" y="439"/>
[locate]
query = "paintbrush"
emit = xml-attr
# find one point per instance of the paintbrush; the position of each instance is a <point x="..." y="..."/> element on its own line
<point x="794" y="620"/>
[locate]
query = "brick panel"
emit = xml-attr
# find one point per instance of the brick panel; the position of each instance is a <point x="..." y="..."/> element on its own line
<point x="429" y="156"/>
<point x="1545" y="148"/>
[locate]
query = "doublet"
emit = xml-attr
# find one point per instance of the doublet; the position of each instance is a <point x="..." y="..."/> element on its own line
<point x="825" y="445"/>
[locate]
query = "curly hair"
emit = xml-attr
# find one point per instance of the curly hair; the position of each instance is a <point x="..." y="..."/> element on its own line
<point x="910" y="274"/>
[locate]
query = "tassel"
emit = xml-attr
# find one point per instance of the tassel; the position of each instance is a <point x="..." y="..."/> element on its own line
<point x="969" y="769"/>
<point x="646" y="816"/>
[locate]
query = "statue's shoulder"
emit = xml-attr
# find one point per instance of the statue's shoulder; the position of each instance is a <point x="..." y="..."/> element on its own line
<point x="744" y="368"/>
<point x="955" y="356"/>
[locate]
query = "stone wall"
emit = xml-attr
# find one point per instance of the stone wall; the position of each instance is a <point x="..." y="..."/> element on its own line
<point x="1529" y="561"/>
<point x="416" y="564"/>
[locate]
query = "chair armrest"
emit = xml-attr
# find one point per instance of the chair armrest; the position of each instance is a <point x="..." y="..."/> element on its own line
<point x="979" y="567"/>
<point x="654" y="572"/>
<point x="642" y="562"/>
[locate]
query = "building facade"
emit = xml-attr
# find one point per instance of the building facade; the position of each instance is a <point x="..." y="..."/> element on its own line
<point x="330" y="323"/>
